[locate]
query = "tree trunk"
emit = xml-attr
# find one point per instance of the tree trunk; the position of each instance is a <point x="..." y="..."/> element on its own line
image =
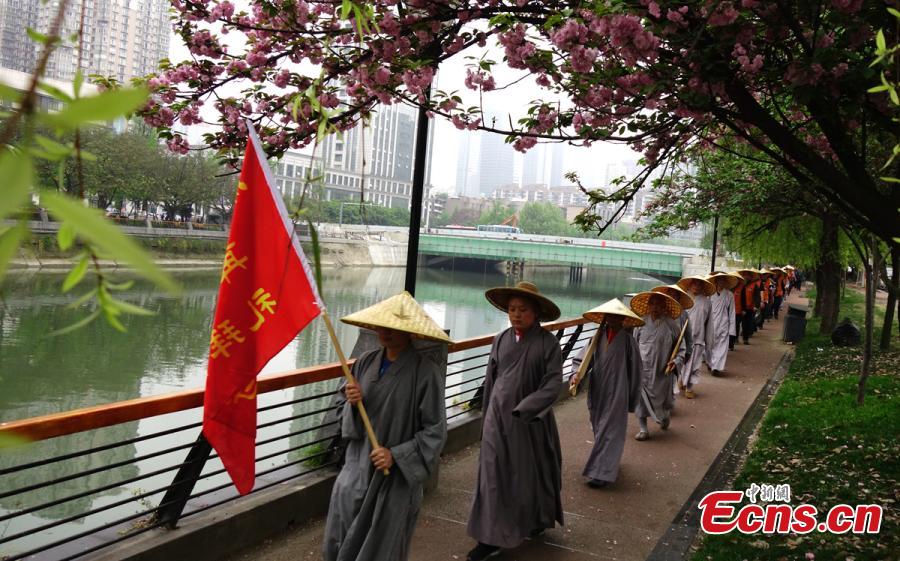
<point x="830" y="284"/>
<point x="820" y="281"/>
<point x="892" y="299"/>
<point x="871" y="288"/>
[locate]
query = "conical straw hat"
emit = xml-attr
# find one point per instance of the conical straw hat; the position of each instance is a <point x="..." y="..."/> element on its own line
<point x="764" y="273"/>
<point x="748" y="274"/>
<point x="501" y="295"/>
<point x="739" y="278"/>
<point x="788" y="267"/>
<point x="641" y="304"/>
<point x="730" y="280"/>
<point x="777" y="270"/>
<point x="402" y="313"/>
<point x="613" y="307"/>
<point x="685" y="284"/>
<point x="676" y="292"/>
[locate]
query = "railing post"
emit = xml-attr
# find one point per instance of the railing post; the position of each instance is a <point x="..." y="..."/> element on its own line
<point x="179" y="491"/>
<point x="570" y="344"/>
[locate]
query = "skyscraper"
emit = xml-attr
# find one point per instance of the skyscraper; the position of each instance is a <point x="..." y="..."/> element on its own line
<point x="122" y="38"/>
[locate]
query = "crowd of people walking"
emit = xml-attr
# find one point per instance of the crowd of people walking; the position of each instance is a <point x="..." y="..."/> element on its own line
<point x="640" y="358"/>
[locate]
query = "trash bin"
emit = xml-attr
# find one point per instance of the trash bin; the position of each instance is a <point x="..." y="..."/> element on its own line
<point x="794" y="323"/>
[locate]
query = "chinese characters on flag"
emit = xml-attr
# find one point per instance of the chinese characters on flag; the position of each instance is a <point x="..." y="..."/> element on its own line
<point x="266" y="296"/>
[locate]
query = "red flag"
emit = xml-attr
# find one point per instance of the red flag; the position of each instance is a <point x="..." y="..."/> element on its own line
<point x="266" y="296"/>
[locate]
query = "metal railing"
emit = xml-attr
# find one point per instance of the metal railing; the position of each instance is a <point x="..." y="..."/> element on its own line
<point x="124" y="471"/>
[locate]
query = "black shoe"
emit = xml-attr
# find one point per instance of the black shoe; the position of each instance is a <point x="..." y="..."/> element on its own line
<point x="537" y="532"/>
<point x="483" y="551"/>
<point x="746" y="341"/>
<point x="596" y="484"/>
<point x="716" y="373"/>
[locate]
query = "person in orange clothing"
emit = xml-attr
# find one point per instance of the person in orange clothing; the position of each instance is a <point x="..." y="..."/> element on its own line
<point x="779" y="291"/>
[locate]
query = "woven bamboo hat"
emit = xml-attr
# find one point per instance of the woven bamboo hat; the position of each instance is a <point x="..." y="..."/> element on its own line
<point x="676" y="292"/>
<point x="708" y="287"/>
<point x="641" y="304"/>
<point x="730" y="280"/>
<point x="613" y="307"/>
<point x="739" y="278"/>
<point x="748" y="274"/>
<point x="788" y="268"/>
<point x="777" y="271"/>
<point x="501" y="295"/>
<point x="764" y="273"/>
<point x="402" y="313"/>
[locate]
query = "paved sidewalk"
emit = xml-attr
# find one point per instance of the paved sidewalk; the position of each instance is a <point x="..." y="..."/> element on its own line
<point x="623" y="521"/>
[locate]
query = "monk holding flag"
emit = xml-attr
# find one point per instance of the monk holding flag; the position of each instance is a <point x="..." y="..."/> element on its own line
<point x="266" y="296"/>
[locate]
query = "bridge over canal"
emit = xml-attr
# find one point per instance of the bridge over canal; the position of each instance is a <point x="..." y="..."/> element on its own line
<point x="652" y="259"/>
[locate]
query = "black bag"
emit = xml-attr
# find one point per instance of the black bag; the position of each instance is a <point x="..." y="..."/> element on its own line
<point x="846" y="334"/>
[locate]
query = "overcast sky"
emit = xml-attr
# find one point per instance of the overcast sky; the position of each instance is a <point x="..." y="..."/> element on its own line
<point x="589" y="163"/>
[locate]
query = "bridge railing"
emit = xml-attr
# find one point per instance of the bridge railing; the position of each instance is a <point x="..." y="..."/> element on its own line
<point x="120" y="459"/>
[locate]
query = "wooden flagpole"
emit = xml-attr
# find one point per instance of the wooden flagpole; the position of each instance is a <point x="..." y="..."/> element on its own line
<point x="576" y="379"/>
<point x="677" y="344"/>
<point x="350" y="379"/>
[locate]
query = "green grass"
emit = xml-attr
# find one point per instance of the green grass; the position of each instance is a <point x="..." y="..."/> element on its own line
<point x="830" y="451"/>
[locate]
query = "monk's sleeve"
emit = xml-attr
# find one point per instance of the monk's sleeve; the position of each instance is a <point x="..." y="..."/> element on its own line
<point x="635" y="368"/>
<point x="350" y="421"/>
<point x="732" y="328"/>
<point x="417" y="457"/>
<point x="579" y="358"/>
<point x="688" y="337"/>
<point x="534" y="406"/>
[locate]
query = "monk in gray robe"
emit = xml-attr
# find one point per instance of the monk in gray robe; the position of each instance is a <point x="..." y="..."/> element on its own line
<point x="699" y="318"/>
<point x="687" y="302"/>
<point x="656" y="340"/>
<point x="614" y="380"/>
<point x="720" y="324"/>
<point x="371" y="516"/>
<point x="518" y="488"/>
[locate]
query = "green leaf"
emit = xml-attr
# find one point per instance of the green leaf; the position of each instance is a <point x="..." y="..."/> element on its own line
<point x="129" y="308"/>
<point x="65" y="236"/>
<point x="111" y="316"/>
<point x="77" y="273"/>
<point x="77" y="325"/>
<point x="9" y="93"/>
<point x="103" y="107"/>
<point x="876" y="89"/>
<point x="54" y="92"/>
<point x="317" y="254"/>
<point x="77" y="82"/>
<point x="17" y="174"/>
<point x="10" y="240"/>
<point x="92" y="227"/>
<point x="879" y="40"/>
<point x="8" y="440"/>
<point x="894" y="12"/>
<point x="52" y="147"/>
<point x="890" y="179"/>
<point x="82" y="299"/>
<point x="346" y="5"/>
<point x="37" y="37"/>
<point x="120" y="286"/>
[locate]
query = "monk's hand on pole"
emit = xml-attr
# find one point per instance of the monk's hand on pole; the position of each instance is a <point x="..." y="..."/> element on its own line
<point x="373" y="440"/>
<point x="576" y="379"/>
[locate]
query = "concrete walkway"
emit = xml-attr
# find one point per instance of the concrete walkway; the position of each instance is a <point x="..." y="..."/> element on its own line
<point x="623" y="521"/>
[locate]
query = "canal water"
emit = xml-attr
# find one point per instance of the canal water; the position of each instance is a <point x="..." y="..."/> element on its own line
<point x="166" y="352"/>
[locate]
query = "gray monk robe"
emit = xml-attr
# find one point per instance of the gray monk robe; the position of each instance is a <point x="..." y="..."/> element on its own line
<point x="720" y="326"/>
<point x="613" y="392"/>
<point x="519" y="482"/>
<point x="699" y="316"/>
<point x="656" y="339"/>
<point x="371" y="516"/>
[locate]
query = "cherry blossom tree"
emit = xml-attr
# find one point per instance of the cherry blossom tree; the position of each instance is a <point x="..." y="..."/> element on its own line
<point x="789" y="79"/>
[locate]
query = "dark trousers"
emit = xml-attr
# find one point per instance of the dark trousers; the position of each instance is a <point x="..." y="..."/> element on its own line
<point x="777" y="306"/>
<point x="748" y="326"/>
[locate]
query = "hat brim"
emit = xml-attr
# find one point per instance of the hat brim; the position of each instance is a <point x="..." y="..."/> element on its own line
<point x="676" y="292"/>
<point x="641" y="304"/>
<point x="685" y="284"/>
<point x="499" y="297"/>
<point x="732" y="281"/>
<point x="413" y="334"/>
<point x="753" y="275"/>
<point x="615" y="308"/>
<point x="400" y="313"/>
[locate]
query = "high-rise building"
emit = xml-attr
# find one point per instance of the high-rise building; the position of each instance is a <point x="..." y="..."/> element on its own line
<point x="376" y="159"/>
<point x="467" y="164"/>
<point x="497" y="163"/>
<point x="122" y="38"/>
<point x="557" y="161"/>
